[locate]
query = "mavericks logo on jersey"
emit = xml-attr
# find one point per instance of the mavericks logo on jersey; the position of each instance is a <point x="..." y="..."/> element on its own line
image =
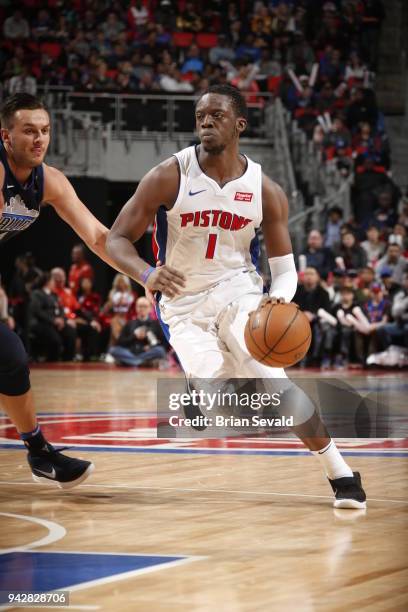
<point x="214" y="218"/>
<point x="16" y="215"/>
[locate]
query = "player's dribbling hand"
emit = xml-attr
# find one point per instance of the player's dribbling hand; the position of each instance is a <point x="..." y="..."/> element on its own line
<point x="167" y="280"/>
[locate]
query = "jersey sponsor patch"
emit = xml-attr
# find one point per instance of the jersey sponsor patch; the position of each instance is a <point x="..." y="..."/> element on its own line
<point x="243" y="196"/>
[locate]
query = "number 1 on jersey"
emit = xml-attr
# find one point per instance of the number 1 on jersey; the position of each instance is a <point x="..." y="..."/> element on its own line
<point x="212" y="241"/>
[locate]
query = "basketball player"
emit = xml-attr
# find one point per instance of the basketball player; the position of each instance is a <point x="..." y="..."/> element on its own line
<point x="208" y="200"/>
<point x="26" y="183"/>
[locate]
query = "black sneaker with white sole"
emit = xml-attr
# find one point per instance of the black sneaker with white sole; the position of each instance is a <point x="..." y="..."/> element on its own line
<point x="348" y="492"/>
<point x="50" y="466"/>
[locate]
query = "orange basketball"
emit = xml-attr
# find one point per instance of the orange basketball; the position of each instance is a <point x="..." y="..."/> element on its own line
<point x="278" y="335"/>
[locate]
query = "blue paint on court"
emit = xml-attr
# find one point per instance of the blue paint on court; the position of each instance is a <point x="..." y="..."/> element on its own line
<point x="48" y="571"/>
<point x="217" y="451"/>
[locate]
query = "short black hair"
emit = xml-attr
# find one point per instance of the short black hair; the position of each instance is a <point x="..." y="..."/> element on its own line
<point x="18" y="102"/>
<point x="236" y="98"/>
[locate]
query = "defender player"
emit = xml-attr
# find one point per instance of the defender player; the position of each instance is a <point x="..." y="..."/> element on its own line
<point x="208" y="200"/>
<point x="27" y="183"/>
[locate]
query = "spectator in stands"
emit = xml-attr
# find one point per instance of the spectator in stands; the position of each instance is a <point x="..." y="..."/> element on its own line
<point x="80" y="267"/>
<point x="52" y="335"/>
<point x="393" y="260"/>
<point x="188" y="20"/>
<point x="373" y="246"/>
<point x="391" y="288"/>
<point x="361" y="109"/>
<point x="334" y="223"/>
<point x="397" y="331"/>
<point x="222" y="51"/>
<point x="311" y="297"/>
<point x="119" y="306"/>
<point x="317" y="255"/>
<point x="372" y="18"/>
<point x="345" y="349"/>
<point x="194" y="62"/>
<point x="23" y="82"/>
<point x="377" y="310"/>
<point x="15" y="27"/>
<point x="141" y="339"/>
<point x="112" y="27"/>
<point x="368" y="178"/>
<point x="43" y="27"/>
<point x="365" y="280"/>
<point x="384" y="215"/>
<point x="87" y="329"/>
<point x="171" y="80"/>
<point x="353" y="255"/>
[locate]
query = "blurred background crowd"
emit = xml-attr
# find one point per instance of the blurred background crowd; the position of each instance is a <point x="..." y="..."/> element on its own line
<point x="321" y="59"/>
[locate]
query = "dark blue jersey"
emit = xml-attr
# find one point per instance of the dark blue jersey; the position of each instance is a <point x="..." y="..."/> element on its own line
<point x="21" y="202"/>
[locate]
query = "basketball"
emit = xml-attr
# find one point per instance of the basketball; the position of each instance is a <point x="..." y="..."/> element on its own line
<point x="278" y="335"/>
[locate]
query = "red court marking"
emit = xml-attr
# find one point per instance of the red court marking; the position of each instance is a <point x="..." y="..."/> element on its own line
<point x="111" y="430"/>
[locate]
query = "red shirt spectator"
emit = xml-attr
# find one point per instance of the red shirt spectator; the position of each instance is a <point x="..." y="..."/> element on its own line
<point x="80" y="268"/>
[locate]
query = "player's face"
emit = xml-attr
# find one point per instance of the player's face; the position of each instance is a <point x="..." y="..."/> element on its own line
<point x="216" y="123"/>
<point x="28" y="139"/>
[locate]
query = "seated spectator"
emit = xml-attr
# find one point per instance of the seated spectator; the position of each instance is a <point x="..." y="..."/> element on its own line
<point x="112" y="27"/>
<point x="188" y="20"/>
<point x="354" y="257"/>
<point x="80" y="267"/>
<point x="318" y="256"/>
<point x="194" y="62"/>
<point x="141" y="340"/>
<point x="87" y="328"/>
<point x="334" y="223"/>
<point x="365" y="280"/>
<point x="361" y="109"/>
<point x="393" y="260"/>
<point x="16" y="27"/>
<point x="222" y="51"/>
<point x="368" y="178"/>
<point x="311" y="297"/>
<point x="385" y="216"/>
<point x="43" y="27"/>
<point x="389" y="285"/>
<point x="377" y="310"/>
<point x="373" y="246"/>
<point x="23" y="82"/>
<point x="53" y="336"/>
<point x="171" y="80"/>
<point x="344" y="345"/>
<point x="120" y="305"/>
<point x="397" y="331"/>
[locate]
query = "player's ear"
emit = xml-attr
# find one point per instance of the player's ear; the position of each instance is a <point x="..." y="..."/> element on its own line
<point x="4" y="134"/>
<point x="241" y="124"/>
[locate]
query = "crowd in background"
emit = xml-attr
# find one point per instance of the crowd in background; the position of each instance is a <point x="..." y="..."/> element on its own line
<point x="320" y="58"/>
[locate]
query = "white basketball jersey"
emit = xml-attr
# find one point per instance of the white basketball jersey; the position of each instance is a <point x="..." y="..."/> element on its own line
<point x="209" y="234"/>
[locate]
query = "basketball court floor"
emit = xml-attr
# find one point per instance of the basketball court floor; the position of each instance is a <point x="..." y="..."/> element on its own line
<point x="196" y="525"/>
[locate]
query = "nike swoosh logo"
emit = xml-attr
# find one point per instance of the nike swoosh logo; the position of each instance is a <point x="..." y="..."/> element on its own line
<point x="193" y="193"/>
<point x="10" y="186"/>
<point x="51" y="474"/>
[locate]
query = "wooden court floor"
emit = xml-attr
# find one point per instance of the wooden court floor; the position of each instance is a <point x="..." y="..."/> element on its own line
<point x="190" y="527"/>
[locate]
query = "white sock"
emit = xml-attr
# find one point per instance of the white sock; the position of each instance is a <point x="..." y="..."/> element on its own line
<point x="333" y="462"/>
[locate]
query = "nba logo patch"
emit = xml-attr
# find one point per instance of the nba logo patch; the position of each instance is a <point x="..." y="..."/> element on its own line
<point x="243" y="196"/>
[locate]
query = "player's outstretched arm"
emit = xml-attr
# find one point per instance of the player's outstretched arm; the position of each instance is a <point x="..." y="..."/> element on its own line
<point x="159" y="187"/>
<point x="277" y="241"/>
<point x="62" y="196"/>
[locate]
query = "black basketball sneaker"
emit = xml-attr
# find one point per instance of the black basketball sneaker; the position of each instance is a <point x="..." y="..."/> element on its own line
<point x="50" y="466"/>
<point x="348" y="492"/>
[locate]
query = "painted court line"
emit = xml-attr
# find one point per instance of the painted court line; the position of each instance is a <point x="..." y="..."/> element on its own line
<point x="55" y="532"/>
<point x="189" y="490"/>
